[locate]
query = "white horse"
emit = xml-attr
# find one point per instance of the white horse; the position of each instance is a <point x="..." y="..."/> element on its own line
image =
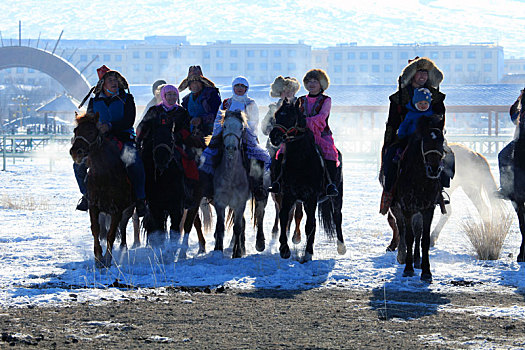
<point x="230" y="182"/>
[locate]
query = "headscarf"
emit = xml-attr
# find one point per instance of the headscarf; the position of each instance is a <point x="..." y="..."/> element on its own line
<point x="241" y="80"/>
<point x="166" y="88"/>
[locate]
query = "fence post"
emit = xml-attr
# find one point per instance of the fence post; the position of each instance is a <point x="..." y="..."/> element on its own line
<point x="4" y="145"/>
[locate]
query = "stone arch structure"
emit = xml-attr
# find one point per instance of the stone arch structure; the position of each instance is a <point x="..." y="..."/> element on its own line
<point x="56" y="67"/>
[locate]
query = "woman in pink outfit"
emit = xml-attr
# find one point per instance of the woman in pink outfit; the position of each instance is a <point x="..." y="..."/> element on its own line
<point x="316" y="108"/>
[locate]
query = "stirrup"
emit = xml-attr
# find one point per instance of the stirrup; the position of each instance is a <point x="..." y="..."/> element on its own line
<point x="83" y="204"/>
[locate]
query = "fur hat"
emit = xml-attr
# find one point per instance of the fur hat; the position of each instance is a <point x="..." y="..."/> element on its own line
<point x="435" y="76"/>
<point x="104" y="72"/>
<point x="319" y="75"/>
<point x="195" y="74"/>
<point x="280" y="84"/>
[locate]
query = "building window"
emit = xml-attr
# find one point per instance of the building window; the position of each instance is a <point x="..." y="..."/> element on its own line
<point x="375" y="55"/>
<point x="388" y="55"/>
<point x="19" y="70"/>
<point x="363" y="68"/>
<point x="206" y="54"/>
<point x="338" y="56"/>
<point x="434" y="54"/>
<point x="488" y="54"/>
<point x="264" y="53"/>
<point x="471" y="67"/>
<point x="107" y="58"/>
<point x="118" y="58"/>
<point x="233" y="53"/>
<point x="277" y="66"/>
<point x="487" y="67"/>
<point x="233" y="66"/>
<point x="458" y="68"/>
<point x="446" y="54"/>
<point x="350" y="68"/>
<point x="149" y="54"/>
<point x="263" y="66"/>
<point x="317" y="59"/>
<point x="363" y="55"/>
<point x="163" y="54"/>
<point x="250" y="66"/>
<point x="471" y="54"/>
<point x="250" y="53"/>
<point x="136" y="54"/>
<point x="389" y="68"/>
<point x="375" y="68"/>
<point x="148" y="68"/>
<point x="403" y="55"/>
<point x="459" y="54"/>
<point x="291" y="66"/>
<point x="218" y="53"/>
<point x="83" y="58"/>
<point x="292" y="53"/>
<point x="218" y="66"/>
<point x="30" y="70"/>
<point x="337" y="69"/>
<point x="95" y="58"/>
<point x="136" y="68"/>
<point x="276" y="53"/>
<point x="350" y="55"/>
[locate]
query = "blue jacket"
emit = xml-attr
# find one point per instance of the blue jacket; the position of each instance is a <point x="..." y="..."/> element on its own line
<point x="210" y="99"/>
<point x="408" y="125"/>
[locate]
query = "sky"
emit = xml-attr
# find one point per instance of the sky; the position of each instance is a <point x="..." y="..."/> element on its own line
<point x="319" y="24"/>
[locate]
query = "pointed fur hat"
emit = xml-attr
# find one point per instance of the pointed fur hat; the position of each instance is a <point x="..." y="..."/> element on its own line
<point x="195" y="74"/>
<point x="320" y="75"/>
<point x="435" y="76"/>
<point x="284" y="83"/>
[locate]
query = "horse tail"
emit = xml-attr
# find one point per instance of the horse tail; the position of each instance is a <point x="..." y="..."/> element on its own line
<point x="228" y="224"/>
<point x="206" y="216"/>
<point x="325" y="213"/>
<point x="253" y="211"/>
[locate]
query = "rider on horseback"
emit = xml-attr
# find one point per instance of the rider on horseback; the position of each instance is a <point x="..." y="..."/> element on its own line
<point x="116" y="109"/>
<point x="240" y="102"/>
<point x="419" y="73"/>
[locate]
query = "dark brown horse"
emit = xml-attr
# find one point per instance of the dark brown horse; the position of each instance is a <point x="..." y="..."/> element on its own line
<point x="108" y="187"/>
<point x="416" y="193"/>
<point x="518" y="196"/>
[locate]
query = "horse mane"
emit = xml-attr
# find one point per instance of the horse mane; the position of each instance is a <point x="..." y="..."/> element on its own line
<point x="86" y="117"/>
<point x="237" y="114"/>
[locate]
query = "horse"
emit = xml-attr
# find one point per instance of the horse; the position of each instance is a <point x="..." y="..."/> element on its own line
<point x="302" y="177"/>
<point x="108" y="187"/>
<point x="478" y="187"/>
<point x="230" y="182"/>
<point x="105" y="223"/>
<point x="165" y="185"/>
<point x="518" y="196"/>
<point x="416" y="192"/>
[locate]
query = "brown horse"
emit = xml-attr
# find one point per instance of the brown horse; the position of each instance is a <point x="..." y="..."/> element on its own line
<point x="474" y="177"/>
<point x="108" y="188"/>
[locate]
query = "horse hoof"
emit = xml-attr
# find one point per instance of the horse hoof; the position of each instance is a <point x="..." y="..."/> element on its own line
<point x="341" y="248"/>
<point x="417" y="264"/>
<point x="202" y="249"/>
<point x="409" y="273"/>
<point x="521" y="258"/>
<point x="260" y="245"/>
<point x="285" y="252"/>
<point x="401" y="258"/>
<point x="307" y="257"/>
<point x="296" y="239"/>
<point x="275" y="233"/>
<point x="218" y="248"/>
<point x="426" y="277"/>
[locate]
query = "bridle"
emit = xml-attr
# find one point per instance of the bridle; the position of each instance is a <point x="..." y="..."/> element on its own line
<point x="428" y="167"/>
<point x="96" y="142"/>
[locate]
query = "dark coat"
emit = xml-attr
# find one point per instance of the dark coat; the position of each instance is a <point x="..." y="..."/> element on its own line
<point x="211" y="101"/>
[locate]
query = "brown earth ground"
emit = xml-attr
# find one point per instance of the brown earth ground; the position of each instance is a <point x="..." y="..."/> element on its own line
<point x="269" y="319"/>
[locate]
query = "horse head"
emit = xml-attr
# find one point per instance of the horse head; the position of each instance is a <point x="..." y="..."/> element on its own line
<point x="429" y="136"/>
<point x="233" y="125"/>
<point x="289" y="123"/>
<point x="86" y="136"/>
<point x="163" y="144"/>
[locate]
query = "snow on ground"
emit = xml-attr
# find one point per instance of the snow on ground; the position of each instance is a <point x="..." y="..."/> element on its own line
<point x="46" y="249"/>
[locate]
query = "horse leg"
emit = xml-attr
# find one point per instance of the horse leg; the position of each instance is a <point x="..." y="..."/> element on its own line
<point x="259" y="217"/>
<point x="417" y="229"/>
<point x="277" y="200"/>
<point x="286" y="207"/>
<point x="426" y="275"/>
<point x="194" y="219"/>
<point x="409" y="240"/>
<point x="112" y="233"/>
<point x="401" y="227"/>
<point x="122" y="227"/>
<point x="298" y="216"/>
<point x="219" y="227"/>
<point x="238" y="232"/>
<point x="395" y="233"/>
<point x="136" y="230"/>
<point x="309" y="228"/>
<point x="155" y="225"/>
<point x="95" y="231"/>
<point x="520" y="210"/>
<point x="337" y="208"/>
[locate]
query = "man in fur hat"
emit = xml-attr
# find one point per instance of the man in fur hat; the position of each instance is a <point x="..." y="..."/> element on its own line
<point x="116" y="109"/>
<point x="419" y="73"/>
<point x="203" y="102"/>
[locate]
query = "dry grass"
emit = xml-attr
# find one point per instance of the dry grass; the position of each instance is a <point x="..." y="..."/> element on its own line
<point x="487" y="236"/>
<point x="23" y="202"/>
